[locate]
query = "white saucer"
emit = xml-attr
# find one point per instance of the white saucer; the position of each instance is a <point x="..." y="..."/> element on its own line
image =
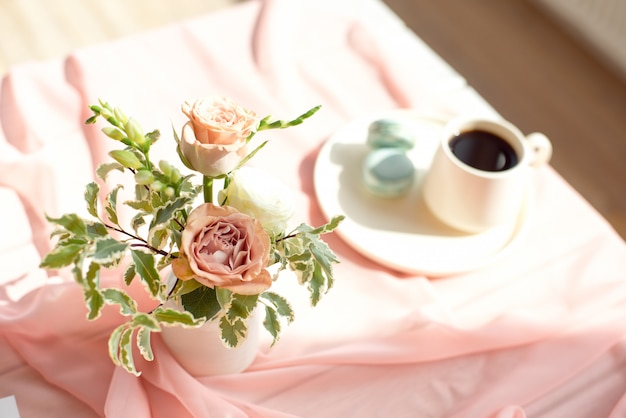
<point x="401" y="233"/>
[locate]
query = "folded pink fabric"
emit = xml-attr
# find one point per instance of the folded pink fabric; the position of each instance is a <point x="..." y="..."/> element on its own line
<point x="538" y="334"/>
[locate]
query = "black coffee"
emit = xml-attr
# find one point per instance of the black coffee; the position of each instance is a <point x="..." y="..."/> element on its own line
<point x="483" y="150"/>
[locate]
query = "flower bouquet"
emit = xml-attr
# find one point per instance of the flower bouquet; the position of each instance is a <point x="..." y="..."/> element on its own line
<point x="220" y="236"/>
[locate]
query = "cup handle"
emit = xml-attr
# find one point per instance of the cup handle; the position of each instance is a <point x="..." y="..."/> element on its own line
<point x="541" y="147"/>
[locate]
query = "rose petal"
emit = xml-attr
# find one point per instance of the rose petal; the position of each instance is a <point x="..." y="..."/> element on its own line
<point x="225" y="248"/>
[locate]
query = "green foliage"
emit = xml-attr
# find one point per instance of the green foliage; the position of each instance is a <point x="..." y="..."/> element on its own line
<point x="104" y="169"/>
<point x="91" y="197"/>
<point x="171" y="317"/>
<point x="276" y="307"/>
<point x="236" y="310"/>
<point x="108" y="251"/>
<point x="140" y="326"/>
<point x="304" y="252"/>
<point x="201" y="302"/>
<point x="63" y="255"/>
<point x="280" y="124"/>
<point x="146" y="269"/>
<point x="160" y="205"/>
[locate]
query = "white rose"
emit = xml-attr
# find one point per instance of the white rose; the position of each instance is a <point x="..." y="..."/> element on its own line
<point x="258" y="194"/>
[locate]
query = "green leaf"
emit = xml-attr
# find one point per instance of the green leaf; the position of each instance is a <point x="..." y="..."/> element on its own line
<point x="143" y="343"/>
<point x="114" y="344"/>
<point x="279" y="124"/>
<point x="329" y="227"/>
<point x="109" y="251"/>
<point x="141" y="192"/>
<point x="166" y="213"/>
<point x="91" y="292"/>
<point x="103" y="170"/>
<point x="61" y="233"/>
<point x="91" y="197"/>
<point x="95" y="229"/>
<point x="71" y="222"/>
<point x="138" y="221"/>
<point x="126" y="351"/>
<point x="141" y="319"/>
<point x="186" y="286"/>
<point x="323" y="256"/>
<point x="281" y="304"/>
<point x="92" y="278"/>
<point x="129" y="274"/>
<point x="202" y="302"/>
<point x="310" y="257"/>
<point x="77" y="272"/>
<point x="316" y="285"/>
<point x="224" y="297"/>
<point x="144" y="264"/>
<point x="95" y="303"/>
<point x="176" y="236"/>
<point x="153" y="136"/>
<point x="158" y="237"/>
<point x="242" y="306"/>
<point x="233" y="333"/>
<point x="128" y="306"/>
<point x="157" y="201"/>
<point x="61" y="256"/>
<point x="173" y="317"/>
<point x="110" y="205"/>
<point x="143" y="205"/>
<point x="271" y="323"/>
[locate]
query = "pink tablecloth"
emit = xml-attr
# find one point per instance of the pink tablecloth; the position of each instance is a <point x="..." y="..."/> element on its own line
<point x="540" y="333"/>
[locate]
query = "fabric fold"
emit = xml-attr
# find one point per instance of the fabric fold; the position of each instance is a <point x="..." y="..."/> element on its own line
<point x="521" y="337"/>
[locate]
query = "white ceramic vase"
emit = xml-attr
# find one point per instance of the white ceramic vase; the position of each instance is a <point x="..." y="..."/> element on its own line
<point x="201" y="352"/>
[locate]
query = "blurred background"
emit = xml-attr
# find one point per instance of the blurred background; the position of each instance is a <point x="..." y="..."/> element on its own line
<point x="555" y="66"/>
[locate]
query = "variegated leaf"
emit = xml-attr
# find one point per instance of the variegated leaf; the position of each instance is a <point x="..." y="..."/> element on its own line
<point x="109" y="251"/>
<point x="127" y="305"/>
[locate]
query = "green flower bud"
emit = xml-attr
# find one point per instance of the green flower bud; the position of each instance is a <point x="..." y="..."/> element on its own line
<point x="120" y="115"/>
<point x="165" y="167"/>
<point x="135" y="132"/>
<point x="105" y="112"/>
<point x="126" y="158"/>
<point x="175" y="176"/>
<point x="113" y="133"/>
<point x="144" y="177"/>
<point x="157" y="186"/>
<point x="170" y="171"/>
<point x="170" y="192"/>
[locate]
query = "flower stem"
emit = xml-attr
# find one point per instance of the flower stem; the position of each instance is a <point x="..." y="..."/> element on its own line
<point x="143" y="243"/>
<point x="207" y="188"/>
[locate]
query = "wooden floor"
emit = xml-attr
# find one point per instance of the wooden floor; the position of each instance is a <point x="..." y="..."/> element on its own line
<point x="541" y="78"/>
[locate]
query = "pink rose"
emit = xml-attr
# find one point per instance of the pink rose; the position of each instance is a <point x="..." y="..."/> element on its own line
<point x="225" y="248"/>
<point x="214" y="140"/>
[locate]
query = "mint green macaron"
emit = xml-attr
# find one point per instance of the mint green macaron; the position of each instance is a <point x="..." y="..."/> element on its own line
<point x="390" y="133"/>
<point x="387" y="172"/>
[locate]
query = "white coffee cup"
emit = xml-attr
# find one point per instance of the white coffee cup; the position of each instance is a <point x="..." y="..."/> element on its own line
<point x="482" y="183"/>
